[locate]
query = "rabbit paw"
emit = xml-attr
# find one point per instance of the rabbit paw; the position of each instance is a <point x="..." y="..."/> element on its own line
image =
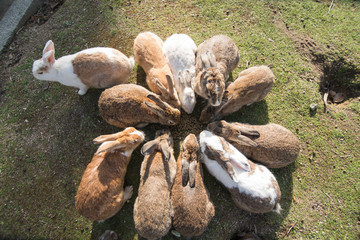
<point x="128" y="192"/>
<point x="82" y="91"/>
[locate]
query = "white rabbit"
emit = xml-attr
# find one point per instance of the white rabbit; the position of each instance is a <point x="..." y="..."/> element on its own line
<point x="98" y="67"/>
<point x="180" y="51"/>
<point x="252" y="186"/>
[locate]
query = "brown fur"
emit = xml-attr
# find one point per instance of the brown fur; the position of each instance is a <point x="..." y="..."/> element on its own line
<point x="100" y="194"/>
<point x="225" y="51"/>
<point x="43" y="69"/>
<point x="252" y="85"/>
<point x="96" y="70"/>
<point x="192" y="207"/>
<point x="276" y="146"/>
<point x="124" y="106"/>
<point x="211" y="77"/>
<point x="149" y="55"/>
<point x="152" y="209"/>
<point x="213" y="84"/>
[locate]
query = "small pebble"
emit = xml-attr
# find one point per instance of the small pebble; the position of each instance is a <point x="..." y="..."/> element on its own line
<point x="313" y="106"/>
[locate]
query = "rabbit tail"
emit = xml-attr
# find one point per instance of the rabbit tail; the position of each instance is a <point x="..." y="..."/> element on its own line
<point x="132" y="62"/>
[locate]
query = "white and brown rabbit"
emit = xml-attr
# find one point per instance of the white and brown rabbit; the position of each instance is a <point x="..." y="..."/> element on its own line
<point x="252" y="186"/>
<point x="190" y="199"/>
<point x="149" y="55"/>
<point x="133" y="105"/>
<point x="101" y="192"/>
<point x="152" y="209"/>
<point x="271" y="144"/>
<point x="216" y="58"/>
<point x="180" y="51"/>
<point x="252" y="85"/>
<point x="98" y="67"/>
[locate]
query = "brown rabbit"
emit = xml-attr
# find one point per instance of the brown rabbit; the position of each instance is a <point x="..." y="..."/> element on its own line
<point x="133" y="105"/>
<point x="149" y="55"/>
<point x="252" y="85"/>
<point x="216" y="58"/>
<point x="101" y="194"/>
<point x="190" y="199"/>
<point x="152" y="209"/>
<point x="270" y="144"/>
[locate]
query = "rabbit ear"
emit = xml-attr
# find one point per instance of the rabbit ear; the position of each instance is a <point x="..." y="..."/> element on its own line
<point x="248" y="132"/>
<point x="49" y="57"/>
<point x="104" y="138"/>
<point x="192" y="173"/>
<point x="170" y="85"/>
<point x="244" y="141"/>
<point x="205" y="61"/>
<point x="162" y="88"/>
<point x="181" y="79"/>
<point x="157" y="100"/>
<point x="188" y="81"/>
<point x="149" y="147"/>
<point x="212" y="59"/>
<point x="48" y="47"/>
<point x="110" y="146"/>
<point x="165" y="149"/>
<point x="184" y="171"/>
<point x="220" y="158"/>
<point x="155" y="109"/>
<point x="246" y="135"/>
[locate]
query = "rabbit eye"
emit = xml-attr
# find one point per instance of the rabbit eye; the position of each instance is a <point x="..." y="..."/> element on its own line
<point x="40" y="72"/>
<point x="171" y="122"/>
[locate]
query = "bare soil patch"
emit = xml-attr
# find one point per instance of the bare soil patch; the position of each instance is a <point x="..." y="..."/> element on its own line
<point x="336" y="74"/>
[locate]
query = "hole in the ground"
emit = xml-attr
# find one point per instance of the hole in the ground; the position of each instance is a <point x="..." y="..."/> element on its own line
<point x="340" y="78"/>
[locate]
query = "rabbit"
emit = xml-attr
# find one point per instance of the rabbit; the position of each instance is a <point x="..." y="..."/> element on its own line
<point x="271" y="144"/>
<point x="252" y="186"/>
<point x="190" y="199"/>
<point x="252" y="85"/>
<point x="98" y="67"/>
<point x="108" y="235"/>
<point x="133" y="105"/>
<point x="152" y="208"/>
<point x="180" y="51"/>
<point x="149" y="55"/>
<point x="216" y="58"/>
<point x="101" y="194"/>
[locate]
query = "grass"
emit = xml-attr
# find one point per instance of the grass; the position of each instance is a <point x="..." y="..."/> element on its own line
<point x="46" y="128"/>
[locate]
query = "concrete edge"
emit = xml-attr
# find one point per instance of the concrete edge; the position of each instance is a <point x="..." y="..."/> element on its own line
<point x="15" y="17"/>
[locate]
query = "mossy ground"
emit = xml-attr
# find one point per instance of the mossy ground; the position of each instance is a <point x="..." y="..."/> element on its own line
<point x="46" y="129"/>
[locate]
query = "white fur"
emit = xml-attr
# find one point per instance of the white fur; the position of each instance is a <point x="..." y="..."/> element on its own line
<point x="180" y="50"/>
<point x="137" y="132"/>
<point x="256" y="184"/>
<point x="127" y="153"/>
<point x="62" y="70"/>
